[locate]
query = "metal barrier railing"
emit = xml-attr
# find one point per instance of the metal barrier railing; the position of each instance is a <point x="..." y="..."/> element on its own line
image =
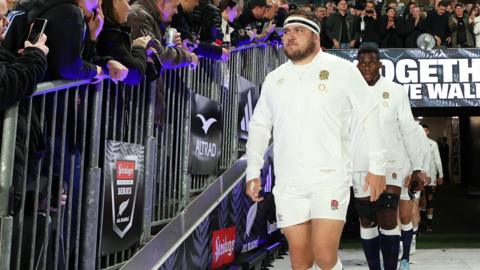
<point x="53" y="150"/>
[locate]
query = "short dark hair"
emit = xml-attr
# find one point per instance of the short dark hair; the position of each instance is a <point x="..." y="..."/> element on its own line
<point x="443" y="3"/>
<point x="224" y="4"/>
<point x="425" y="126"/>
<point x="388" y="9"/>
<point x="458" y="5"/>
<point x="368" y="50"/>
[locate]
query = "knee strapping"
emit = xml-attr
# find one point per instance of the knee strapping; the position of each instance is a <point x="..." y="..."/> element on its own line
<point x="367" y="212"/>
<point x="387" y="205"/>
<point x="388" y="201"/>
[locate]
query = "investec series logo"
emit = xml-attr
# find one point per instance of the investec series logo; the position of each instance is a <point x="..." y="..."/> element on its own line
<point x="223" y="247"/>
<point x="205" y="148"/>
<point x="123" y="195"/>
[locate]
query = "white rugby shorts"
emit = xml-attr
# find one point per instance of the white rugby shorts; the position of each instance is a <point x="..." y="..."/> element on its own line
<point x="296" y="203"/>
<point x="393" y="177"/>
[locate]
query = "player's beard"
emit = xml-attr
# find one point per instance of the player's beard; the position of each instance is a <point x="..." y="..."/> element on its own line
<point x="300" y="54"/>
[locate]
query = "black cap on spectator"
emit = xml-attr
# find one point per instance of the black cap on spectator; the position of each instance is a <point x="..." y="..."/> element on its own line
<point x="257" y="3"/>
<point x="292" y="7"/>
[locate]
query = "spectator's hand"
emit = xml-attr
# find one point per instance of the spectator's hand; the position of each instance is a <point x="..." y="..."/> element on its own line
<point x="150" y="51"/>
<point x="63" y="198"/>
<point x="194" y="63"/>
<point x="271" y="27"/>
<point x="252" y="189"/>
<point x="142" y="41"/>
<point x="440" y="181"/>
<point x="471" y="19"/>
<point x="390" y="24"/>
<point x="374" y="15"/>
<point x="428" y="180"/>
<point x="419" y="177"/>
<point x="95" y="23"/>
<point x="336" y="44"/>
<point x="448" y="40"/>
<point x="40" y="44"/>
<point x="417" y="19"/>
<point x="177" y="39"/>
<point x="377" y="185"/>
<point x="252" y="34"/>
<point x="439" y="40"/>
<point x="117" y="71"/>
<point x="352" y="43"/>
<point x="189" y="46"/>
<point x="99" y="76"/>
<point x="225" y="55"/>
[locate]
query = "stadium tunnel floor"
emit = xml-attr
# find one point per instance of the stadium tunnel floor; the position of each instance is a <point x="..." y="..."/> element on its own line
<point x="453" y="244"/>
<point x="424" y="259"/>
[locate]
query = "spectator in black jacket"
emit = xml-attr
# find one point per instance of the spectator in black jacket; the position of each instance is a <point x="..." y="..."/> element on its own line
<point x="253" y="13"/>
<point x="369" y="26"/>
<point x="461" y="28"/>
<point x="343" y="28"/>
<point x="72" y="55"/>
<point x="414" y="27"/>
<point x="183" y="23"/>
<point x="19" y="75"/>
<point x="282" y="12"/>
<point x="391" y="30"/>
<point x="232" y="33"/>
<point x="208" y="29"/>
<point x="321" y="15"/>
<point x="436" y="24"/>
<point x="266" y="30"/>
<point x="114" y="40"/>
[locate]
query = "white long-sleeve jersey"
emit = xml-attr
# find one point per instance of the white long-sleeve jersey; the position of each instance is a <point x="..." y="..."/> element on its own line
<point x="398" y="129"/>
<point x="309" y="107"/>
<point x="435" y="163"/>
<point x="424" y="145"/>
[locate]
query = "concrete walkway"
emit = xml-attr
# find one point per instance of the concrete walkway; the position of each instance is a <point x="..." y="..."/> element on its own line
<point x="424" y="259"/>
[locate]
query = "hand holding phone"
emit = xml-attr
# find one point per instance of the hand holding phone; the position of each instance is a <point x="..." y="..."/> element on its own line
<point x="36" y="30"/>
<point x="36" y="38"/>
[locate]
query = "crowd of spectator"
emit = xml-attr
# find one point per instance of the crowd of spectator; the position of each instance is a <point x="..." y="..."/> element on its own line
<point x="393" y="25"/>
<point x="133" y="40"/>
<point x="126" y="42"/>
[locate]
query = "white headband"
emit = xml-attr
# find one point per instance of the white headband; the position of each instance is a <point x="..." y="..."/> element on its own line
<point x="301" y="21"/>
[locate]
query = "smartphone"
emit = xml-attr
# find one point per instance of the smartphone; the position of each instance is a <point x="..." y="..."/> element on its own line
<point x="38" y="26"/>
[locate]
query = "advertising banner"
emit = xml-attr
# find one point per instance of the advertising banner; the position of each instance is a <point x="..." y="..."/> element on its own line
<point x="123" y="196"/>
<point x="206" y="135"/>
<point x="432" y="78"/>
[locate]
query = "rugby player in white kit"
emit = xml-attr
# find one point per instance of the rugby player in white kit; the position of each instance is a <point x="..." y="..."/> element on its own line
<point x="398" y="129"/>
<point x="435" y="169"/>
<point x="409" y="211"/>
<point x="307" y="103"/>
